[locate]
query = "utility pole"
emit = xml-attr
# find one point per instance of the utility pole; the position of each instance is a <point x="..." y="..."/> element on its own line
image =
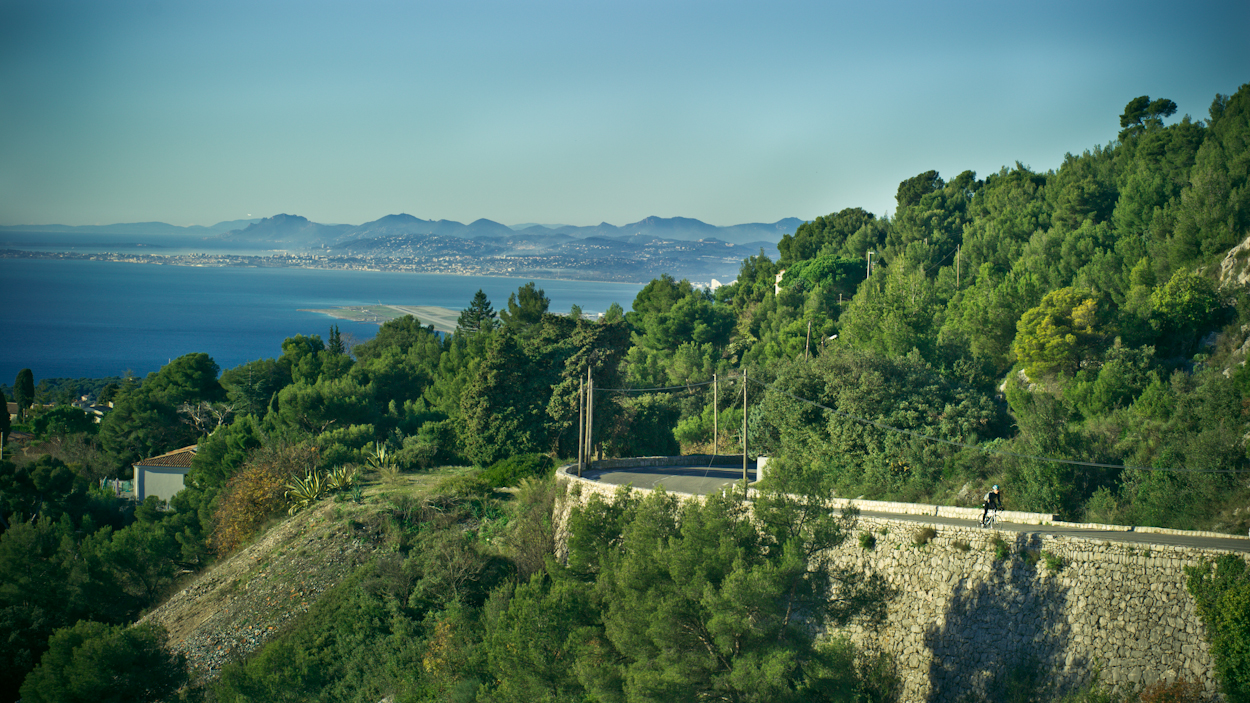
<point x="581" y="426"/>
<point x="870" y="264"/>
<point x="956" y="268"/>
<point x="590" y="418"/>
<point x="808" y="345"/>
<point x="715" y="415"/>
<point x="744" y="434"/>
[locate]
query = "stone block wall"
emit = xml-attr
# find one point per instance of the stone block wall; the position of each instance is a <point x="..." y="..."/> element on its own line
<point x="976" y="607"/>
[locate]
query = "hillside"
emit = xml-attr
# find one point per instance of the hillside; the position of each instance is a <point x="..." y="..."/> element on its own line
<point x="239" y="604"/>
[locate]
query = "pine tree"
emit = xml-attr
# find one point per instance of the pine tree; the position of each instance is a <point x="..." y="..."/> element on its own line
<point x="24" y="391"/>
<point x="479" y="316"/>
<point x="335" y="345"/>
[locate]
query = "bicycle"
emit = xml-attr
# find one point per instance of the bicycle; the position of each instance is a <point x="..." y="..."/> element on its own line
<point x="990" y="521"/>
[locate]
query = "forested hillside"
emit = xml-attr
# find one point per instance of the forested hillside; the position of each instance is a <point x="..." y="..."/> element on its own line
<point x="1077" y="336"/>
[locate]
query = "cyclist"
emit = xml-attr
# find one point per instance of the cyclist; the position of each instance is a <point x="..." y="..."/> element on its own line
<point x="993" y="501"/>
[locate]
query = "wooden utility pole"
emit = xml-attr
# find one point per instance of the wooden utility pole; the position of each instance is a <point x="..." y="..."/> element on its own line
<point x="808" y="345"/>
<point x="590" y="417"/>
<point x="744" y="433"/>
<point x="581" y="426"/>
<point x="715" y="415"/>
<point x="956" y="268"/>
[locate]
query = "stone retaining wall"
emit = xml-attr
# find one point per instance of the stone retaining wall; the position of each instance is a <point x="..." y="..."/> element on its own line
<point x="975" y="607"/>
<point x="970" y="611"/>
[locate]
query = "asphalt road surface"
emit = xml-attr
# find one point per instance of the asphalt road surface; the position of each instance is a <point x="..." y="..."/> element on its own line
<point x="701" y="480"/>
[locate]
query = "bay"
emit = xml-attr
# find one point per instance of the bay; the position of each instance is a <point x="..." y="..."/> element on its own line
<point x="70" y="319"/>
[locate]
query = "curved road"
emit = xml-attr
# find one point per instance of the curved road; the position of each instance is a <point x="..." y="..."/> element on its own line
<point x="701" y="480"/>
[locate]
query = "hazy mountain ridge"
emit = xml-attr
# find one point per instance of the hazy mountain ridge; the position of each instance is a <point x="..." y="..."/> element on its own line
<point x="297" y="230"/>
<point x="147" y="228"/>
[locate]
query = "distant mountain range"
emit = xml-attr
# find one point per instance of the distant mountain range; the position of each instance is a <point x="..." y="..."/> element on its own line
<point x="680" y="246"/>
<point x="293" y="231"/>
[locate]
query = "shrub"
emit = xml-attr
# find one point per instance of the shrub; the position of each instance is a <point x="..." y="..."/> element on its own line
<point x="1179" y="691"/>
<point x="1002" y="550"/>
<point x="961" y="545"/>
<point x="257" y="493"/>
<point x="93" y="663"/>
<point x="1223" y="600"/>
<point x="923" y="536"/>
<point x="464" y="487"/>
<point x="512" y="470"/>
<point x="867" y="540"/>
<point x="1054" y="562"/>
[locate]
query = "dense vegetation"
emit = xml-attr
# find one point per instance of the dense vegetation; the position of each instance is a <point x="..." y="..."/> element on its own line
<point x="1092" y="314"/>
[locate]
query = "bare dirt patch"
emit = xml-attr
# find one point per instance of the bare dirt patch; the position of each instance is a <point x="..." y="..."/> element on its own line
<point x="239" y="604"/>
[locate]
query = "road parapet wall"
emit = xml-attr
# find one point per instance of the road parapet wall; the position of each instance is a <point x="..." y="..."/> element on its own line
<point x="976" y="607"/>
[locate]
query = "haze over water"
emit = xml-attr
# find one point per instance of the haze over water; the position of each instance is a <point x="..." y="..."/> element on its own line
<point x="94" y="319"/>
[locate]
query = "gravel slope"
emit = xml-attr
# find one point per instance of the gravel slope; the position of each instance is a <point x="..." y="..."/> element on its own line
<point x="239" y="604"/>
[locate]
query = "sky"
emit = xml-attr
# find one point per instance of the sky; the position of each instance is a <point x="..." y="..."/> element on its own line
<point x="579" y="112"/>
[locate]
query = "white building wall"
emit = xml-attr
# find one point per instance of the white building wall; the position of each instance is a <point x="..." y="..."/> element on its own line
<point x="162" y="482"/>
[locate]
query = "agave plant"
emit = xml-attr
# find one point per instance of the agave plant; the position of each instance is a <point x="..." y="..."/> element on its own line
<point x="384" y="462"/>
<point x="303" y="492"/>
<point x="341" y="478"/>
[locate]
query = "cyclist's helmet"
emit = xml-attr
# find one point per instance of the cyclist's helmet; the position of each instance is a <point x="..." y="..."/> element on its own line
<point x="996" y="486"/>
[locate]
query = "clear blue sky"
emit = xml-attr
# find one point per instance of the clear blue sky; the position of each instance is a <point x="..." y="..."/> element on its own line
<point x="576" y="112"/>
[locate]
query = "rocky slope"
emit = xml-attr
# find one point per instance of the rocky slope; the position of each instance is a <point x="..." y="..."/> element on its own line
<point x="242" y="602"/>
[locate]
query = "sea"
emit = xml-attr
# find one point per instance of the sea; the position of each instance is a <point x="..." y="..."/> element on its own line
<point x="94" y="319"/>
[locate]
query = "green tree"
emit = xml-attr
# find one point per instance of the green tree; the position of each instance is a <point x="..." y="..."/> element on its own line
<point x="1059" y="332"/>
<point x="250" y="387"/>
<point x="479" y="316"/>
<point x="525" y="307"/>
<point x="860" y="458"/>
<point x="63" y="420"/>
<point x="697" y="600"/>
<point x="188" y="379"/>
<point x="1142" y="113"/>
<point x="913" y="189"/>
<point x="1214" y="210"/>
<point x="830" y="233"/>
<point x="615" y="313"/>
<point x="91" y="662"/>
<point x="502" y="407"/>
<point x="838" y="275"/>
<point x="898" y="310"/>
<point x="335" y="344"/>
<point x="4" y="418"/>
<point x="24" y="391"/>
<point x="401" y="333"/>
<point x="756" y="280"/>
<point x="141" y="425"/>
<point x="220" y="455"/>
<point x="44" y="488"/>
<point x="1186" y="306"/>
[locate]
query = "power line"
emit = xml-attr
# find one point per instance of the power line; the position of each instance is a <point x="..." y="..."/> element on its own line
<point x="989" y="450"/>
<point x="928" y="438"/>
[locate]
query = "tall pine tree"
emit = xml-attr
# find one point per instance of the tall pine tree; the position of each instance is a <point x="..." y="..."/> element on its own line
<point x="479" y="316"/>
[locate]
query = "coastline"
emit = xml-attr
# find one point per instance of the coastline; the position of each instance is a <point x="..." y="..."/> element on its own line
<point x="509" y="267"/>
<point x="440" y="318"/>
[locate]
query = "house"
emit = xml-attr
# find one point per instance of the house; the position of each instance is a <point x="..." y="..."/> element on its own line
<point x="89" y="406"/>
<point x="162" y="476"/>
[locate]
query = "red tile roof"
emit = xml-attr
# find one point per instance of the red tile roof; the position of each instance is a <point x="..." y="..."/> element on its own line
<point x="180" y="458"/>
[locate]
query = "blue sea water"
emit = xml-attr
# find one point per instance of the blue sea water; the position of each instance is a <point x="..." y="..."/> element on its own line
<point x="70" y="319"/>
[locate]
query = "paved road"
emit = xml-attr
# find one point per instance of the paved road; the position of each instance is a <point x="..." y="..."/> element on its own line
<point x="697" y="480"/>
<point x="700" y="480"/>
